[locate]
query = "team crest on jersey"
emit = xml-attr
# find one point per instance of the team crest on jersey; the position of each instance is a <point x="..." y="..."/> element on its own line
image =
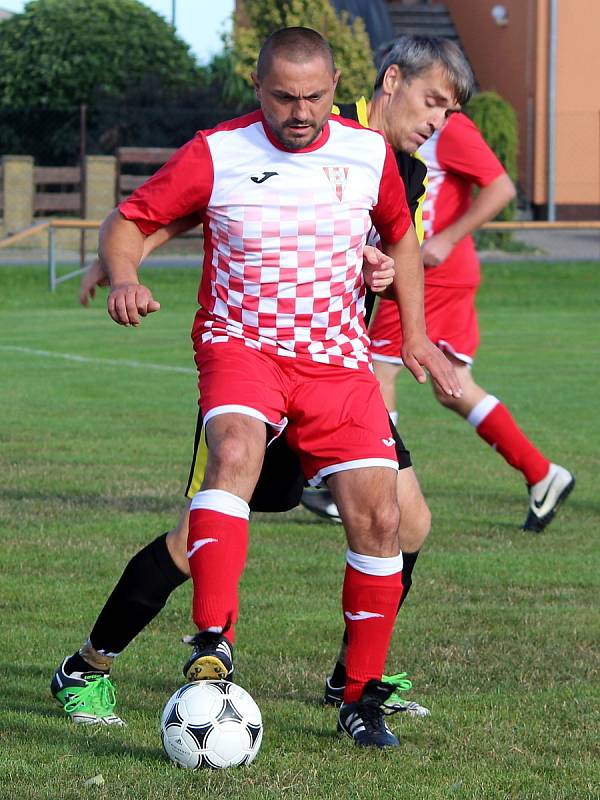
<point x="337" y="177"/>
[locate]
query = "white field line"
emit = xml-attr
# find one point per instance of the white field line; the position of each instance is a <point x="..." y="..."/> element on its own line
<point x="112" y="362"/>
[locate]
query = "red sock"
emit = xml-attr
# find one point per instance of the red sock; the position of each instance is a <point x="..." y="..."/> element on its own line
<point x="217" y="547"/>
<point x="495" y="424"/>
<point x="370" y="603"/>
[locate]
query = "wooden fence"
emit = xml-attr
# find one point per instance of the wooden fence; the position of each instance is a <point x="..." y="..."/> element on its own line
<point x="57" y="190"/>
<point x="145" y="161"/>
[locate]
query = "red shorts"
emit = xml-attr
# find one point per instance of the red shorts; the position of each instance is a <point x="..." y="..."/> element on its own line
<point x="451" y="322"/>
<point x="335" y="418"/>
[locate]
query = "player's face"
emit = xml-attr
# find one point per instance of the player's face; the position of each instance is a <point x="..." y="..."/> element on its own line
<point x="296" y="99"/>
<point x="416" y="108"/>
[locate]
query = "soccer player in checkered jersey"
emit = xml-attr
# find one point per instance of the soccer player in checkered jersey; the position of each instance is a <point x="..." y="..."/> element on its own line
<point x="443" y="79"/>
<point x="288" y="195"/>
<point x="458" y="159"/>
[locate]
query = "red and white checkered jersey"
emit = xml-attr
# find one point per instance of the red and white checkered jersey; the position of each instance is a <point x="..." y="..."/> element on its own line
<point x="284" y="232"/>
<point x="457" y="158"/>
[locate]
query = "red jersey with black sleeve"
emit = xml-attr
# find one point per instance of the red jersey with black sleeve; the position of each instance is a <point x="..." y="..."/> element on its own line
<point x="457" y="159"/>
<point x="284" y="232"/>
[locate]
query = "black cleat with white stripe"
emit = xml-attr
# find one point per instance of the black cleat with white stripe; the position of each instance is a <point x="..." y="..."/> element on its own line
<point x="211" y="659"/>
<point x="364" y="720"/>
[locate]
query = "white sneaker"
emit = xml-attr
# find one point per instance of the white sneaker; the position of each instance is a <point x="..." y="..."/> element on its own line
<point x="546" y="496"/>
<point x="320" y="502"/>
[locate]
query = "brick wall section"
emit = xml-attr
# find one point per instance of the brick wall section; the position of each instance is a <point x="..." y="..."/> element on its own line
<point x="101" y="182"/>
<point x="18" y="190"/>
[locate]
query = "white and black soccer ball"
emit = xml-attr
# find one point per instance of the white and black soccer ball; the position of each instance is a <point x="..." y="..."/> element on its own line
<point x="212" y="724"/>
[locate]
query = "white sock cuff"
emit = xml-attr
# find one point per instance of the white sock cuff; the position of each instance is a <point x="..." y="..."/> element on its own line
<point x="373" y="565"/>
<point x="480" y="411"/>
<point x="393" y="416"/>
<point x="221" y="501"/>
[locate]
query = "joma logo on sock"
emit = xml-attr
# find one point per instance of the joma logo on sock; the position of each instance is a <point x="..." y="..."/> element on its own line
<point x="198" y="544"/>
<point x="362" y="615"/>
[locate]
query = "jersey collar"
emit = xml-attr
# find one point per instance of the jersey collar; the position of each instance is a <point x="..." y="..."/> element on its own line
<point x="323" y="138"/>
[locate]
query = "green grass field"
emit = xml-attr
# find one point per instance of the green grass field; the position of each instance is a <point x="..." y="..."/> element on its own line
<point x="498" y="634"/>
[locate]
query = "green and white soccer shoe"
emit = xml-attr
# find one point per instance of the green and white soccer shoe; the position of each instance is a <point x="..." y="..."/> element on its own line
<point x="334" y="695"/>
<point x="89" y="698"/>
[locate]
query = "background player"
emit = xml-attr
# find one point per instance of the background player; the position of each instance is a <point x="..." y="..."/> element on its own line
<point x="459" y="160"/>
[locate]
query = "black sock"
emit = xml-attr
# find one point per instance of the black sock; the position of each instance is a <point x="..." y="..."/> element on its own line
<point x="338" y="676"/>
<point x="142" y="591"/>
<point x="408" y="564"/>
<point x="78" y="664"/>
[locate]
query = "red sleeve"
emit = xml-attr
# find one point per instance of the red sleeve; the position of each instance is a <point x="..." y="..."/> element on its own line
<point x="461" y="148"/>
<point x="182" y="186"/>
<point x="391" y="215"/>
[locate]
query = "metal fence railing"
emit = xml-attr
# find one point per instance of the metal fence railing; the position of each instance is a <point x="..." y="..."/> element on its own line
<point x="51" y="227"/>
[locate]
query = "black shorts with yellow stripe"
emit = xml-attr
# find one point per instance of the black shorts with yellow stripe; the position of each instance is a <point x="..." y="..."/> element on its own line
<point x="281" y="480"/>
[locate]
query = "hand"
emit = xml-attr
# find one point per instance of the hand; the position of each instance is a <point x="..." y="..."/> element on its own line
<point x="378" y="269"/>
<point x="92" y="277"/>
<point x="130" y="301"/>
<point x="421" y="352"/>
<point x="436" y="249"/>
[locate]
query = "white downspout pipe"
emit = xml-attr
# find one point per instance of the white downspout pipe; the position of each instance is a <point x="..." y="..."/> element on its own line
<point x="551" y="122"/>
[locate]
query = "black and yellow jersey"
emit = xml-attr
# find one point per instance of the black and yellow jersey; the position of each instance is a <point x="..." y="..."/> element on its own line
<point x="411" y="167"/>
<point x="413" y="172"/>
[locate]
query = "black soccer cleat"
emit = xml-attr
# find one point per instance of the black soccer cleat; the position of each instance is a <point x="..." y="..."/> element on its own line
<point x="364" y="720"/>
<point x="546" y="496"/>
<point x="211" y="659"/>
<point x="334" y="696"/>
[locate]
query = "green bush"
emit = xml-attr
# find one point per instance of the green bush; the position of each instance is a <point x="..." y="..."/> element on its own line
<point x="497" y="121"/>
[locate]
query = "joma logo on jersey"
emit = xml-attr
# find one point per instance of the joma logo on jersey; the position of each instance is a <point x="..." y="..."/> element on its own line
<point x="337" y="177"/>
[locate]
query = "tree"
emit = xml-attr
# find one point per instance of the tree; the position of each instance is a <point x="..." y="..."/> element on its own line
<point x="61" y="53"/>
<point x="349" y="40"/>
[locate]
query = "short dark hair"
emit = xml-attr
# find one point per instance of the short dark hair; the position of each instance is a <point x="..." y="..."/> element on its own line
<point x="295" y="44"/>
<point x="416" y="54"/>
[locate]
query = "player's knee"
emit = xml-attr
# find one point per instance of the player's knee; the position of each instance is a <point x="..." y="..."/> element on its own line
<point x="376" y="530"/>
<point x="231" y="455"/>
<point x="387" y="520"/>
<point x="446" y="400"/>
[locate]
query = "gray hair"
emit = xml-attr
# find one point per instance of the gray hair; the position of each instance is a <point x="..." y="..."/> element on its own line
<point x="416" y="54"/>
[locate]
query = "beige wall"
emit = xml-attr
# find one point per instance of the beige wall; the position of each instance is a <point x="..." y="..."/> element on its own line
<point x="513" y="60"/>
<point x="503" y="59"/>
<point x="578" y="102"/>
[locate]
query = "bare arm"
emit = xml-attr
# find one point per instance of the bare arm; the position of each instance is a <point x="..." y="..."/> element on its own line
<point x="95" y="274"/>
<point x="490" y="200"/>
<point x="418" y="352"/>
<point x="121" y="246"/>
